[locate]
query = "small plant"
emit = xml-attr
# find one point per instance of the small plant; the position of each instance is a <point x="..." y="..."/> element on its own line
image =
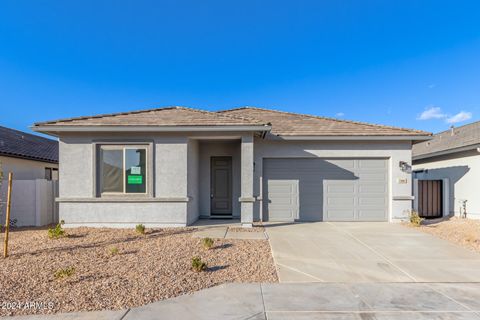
<point x="140" y="228"/>
<point x="113" y="251"/>
<point x="471" y="237"/>
<point x="12" y="224"/>
<point x="198" y="265"/>
<point x="57" y="232"/>
<point x="207" y="243"/>
<point x="64" y="273"/>
<point x="415" y="219"/>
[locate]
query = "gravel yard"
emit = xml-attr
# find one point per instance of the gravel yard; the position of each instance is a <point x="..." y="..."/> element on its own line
<point x="464" y="232"/>
<point x="117" y="268"/>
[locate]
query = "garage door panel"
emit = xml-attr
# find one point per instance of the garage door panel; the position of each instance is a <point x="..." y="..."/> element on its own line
<point x="372" y="189"/>
<point x="371" y="201"/>
<point x="339" y="215"/>
<point x="341" y="189"/>
<point x="340" y="201"/>
<point x="371" y="214"/>
<point x="372" y="176"/>
<point x="281" y="187"/>
<point x="326" y="189"/>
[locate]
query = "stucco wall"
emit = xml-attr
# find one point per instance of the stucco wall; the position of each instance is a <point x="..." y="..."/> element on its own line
<point x="463" y="172"/>
<point x="193" y="208"/>
<point x="25" y="169"/>
<point x="181" y="170"/>
<point x="395" y="151"/>
<point x="167" y="204"/>
<point x="210" y="149"/>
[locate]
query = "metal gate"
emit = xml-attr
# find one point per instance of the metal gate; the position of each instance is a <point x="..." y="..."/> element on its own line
<point x="430" y="196"/>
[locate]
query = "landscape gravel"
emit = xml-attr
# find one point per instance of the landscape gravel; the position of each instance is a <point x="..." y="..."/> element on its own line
<point x="145" y="269"/>
<point x="464" y="232"/>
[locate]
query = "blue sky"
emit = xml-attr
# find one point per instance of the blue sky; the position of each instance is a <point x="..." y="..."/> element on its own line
<point x="404" y="63"/>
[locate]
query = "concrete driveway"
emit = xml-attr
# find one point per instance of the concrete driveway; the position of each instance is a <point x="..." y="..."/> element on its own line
<point x="367" y="252"/>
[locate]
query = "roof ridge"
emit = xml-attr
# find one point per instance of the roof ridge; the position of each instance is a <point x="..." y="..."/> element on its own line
<point x="460" y="127"/>
<point x="223" y="115"/>
<point x="327" y="118"/>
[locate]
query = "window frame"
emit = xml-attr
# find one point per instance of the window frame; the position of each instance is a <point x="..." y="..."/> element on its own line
<point x="123" y="146"/>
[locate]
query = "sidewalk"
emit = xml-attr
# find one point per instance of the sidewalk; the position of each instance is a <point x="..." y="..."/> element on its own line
<point x="308" y="301"/>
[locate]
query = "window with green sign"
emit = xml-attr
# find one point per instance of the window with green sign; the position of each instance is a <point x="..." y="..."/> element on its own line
<point x="123" y="169"/>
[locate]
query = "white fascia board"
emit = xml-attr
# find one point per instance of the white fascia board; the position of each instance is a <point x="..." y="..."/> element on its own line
<point x="446" y="152"/>
<point x="379" y="138"/>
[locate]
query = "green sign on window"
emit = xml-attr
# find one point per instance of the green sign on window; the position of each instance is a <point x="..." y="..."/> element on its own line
<point x="135" y="179"/>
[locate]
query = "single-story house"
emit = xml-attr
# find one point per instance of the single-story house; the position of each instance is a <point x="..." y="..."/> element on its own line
<point x="174" y="165"/>
<point x="454" y="157"/>
<point x="28" y="156"/>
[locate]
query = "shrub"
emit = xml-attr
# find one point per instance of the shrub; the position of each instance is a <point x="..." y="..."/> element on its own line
<point x="415" y="219"/>
<point x="198" y="265"/>
<point x="471" y="237"/>
<point x="207" y="243"/>
<point x="140" y="228"/>
<point x="113" y="251"/>
<point x="57" y="232"/>
<point x="64" y="273"/>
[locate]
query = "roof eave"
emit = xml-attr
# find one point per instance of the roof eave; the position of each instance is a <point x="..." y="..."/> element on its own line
<point x="356" y="137"/>
<point x="26" y="157"/>
<point x="56" y="129"/>
<point x="445" y="152"/>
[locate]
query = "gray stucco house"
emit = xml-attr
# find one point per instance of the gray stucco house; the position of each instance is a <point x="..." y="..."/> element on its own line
<point x="171" y="166"/>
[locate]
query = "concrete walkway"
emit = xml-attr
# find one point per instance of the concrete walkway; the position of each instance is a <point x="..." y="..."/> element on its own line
<point x="220" y="229"/>
<point x="334" y="301"/>
<point x="367" y="252"/>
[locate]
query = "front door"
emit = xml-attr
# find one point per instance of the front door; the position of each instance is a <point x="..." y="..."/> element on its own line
<point x="221" y="186"/>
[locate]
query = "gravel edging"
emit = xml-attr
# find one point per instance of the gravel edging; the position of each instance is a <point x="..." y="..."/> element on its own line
<point x="464" y="232"/>
<point x="147" y="268"/>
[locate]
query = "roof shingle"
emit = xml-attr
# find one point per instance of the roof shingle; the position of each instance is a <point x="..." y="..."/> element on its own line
<point x="168" y="116"/>
<point x="14" y="143"/>
<point x="449" y="140"/>
<point x="295" y="124"/>
<point x="282" y="123"/>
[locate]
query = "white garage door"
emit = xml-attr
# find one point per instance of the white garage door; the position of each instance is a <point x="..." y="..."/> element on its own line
<point x="325" y="189"/>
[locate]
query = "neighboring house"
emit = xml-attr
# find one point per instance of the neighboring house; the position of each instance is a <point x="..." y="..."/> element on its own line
<point x="33" y="161"/>
<point x="28" y="156"/>
<point x="171" y="166"/>
<point x="453" y="155"/>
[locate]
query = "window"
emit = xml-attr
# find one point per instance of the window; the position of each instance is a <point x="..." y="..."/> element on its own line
<point x="123" y="169"/>
<point x="51" y="173"/>
<point x="48" y="173"/>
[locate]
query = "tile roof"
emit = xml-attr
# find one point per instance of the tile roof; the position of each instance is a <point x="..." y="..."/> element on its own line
<point x="449" y="140"/>
<point x="168" y="116"/>
<point x="295" y="124"/>
<point x="283" y="123"/>
<point x="20" y="144"/>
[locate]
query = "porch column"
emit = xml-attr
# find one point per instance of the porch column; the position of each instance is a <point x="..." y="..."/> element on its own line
<point x="246" y="198"/>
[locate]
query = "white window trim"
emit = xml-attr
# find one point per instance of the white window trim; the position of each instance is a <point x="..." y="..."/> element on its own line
<point x="124" y="147"/>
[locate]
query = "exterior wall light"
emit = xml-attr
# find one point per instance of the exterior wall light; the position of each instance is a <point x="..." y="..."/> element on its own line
<point x="405" y="167"/>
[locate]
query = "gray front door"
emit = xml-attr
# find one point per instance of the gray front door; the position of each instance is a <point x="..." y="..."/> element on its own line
<point x="221" y="186"/>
